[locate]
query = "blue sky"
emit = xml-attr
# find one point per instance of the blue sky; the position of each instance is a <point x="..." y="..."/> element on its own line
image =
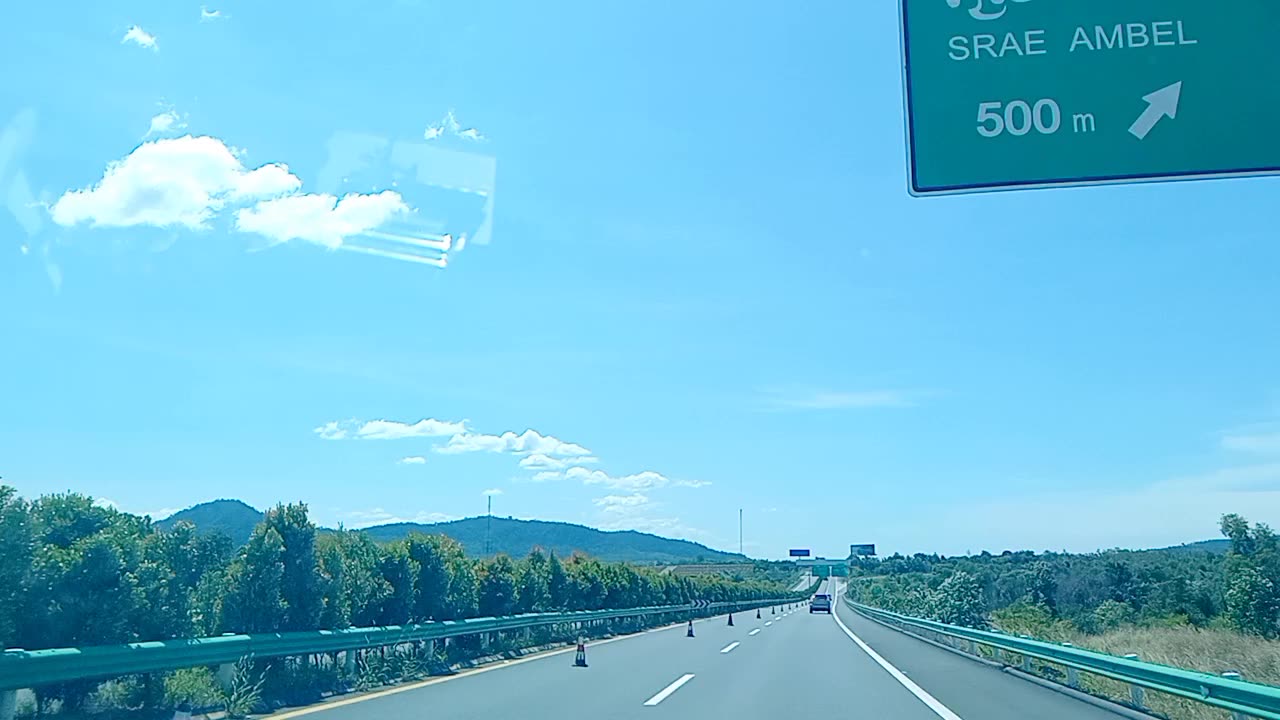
<point x="691" y="269"/>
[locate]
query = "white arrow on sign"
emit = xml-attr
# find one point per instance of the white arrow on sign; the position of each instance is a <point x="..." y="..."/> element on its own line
<point x="1161" y="103"/>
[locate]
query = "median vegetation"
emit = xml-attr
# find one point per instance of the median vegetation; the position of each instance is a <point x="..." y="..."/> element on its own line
<point x="77" y="574"/>
<point x="1194" y="609"/>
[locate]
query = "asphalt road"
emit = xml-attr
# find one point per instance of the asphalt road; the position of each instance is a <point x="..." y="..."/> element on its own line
<point x="781" y="666"/>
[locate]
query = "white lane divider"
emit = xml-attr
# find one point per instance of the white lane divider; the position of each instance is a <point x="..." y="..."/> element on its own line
<point x="666" y="691"/>
<point x="930" y="701"/>
<point x="768" y="623"/>
<point x="729" y="648"/>
<point x="753" y="632"/>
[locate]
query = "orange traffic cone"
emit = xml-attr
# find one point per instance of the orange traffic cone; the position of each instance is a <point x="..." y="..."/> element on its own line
<point x="757" y="613"/>
<point x="580" y="660"/>
<point x="730" y="619"/>
<point x="690" y="633"/>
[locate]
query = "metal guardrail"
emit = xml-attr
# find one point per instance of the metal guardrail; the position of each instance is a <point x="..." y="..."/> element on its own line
<point x="1238" y="696"/>
<point x="34" y="668"/>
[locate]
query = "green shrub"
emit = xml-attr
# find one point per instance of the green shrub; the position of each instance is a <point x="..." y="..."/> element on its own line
<point x="197" y="687"/>
<point x="116" y="697"/>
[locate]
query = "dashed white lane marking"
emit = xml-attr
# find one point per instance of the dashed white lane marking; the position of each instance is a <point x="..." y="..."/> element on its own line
<point x="753" y="632"/>
<point x="666" y="691"/>
<point x="938" y="708"/>
<point x="769" y="623"/>
<point x="729" y="647"/>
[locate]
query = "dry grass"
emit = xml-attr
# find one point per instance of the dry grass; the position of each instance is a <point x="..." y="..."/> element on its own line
<point x="1211" y="651"/>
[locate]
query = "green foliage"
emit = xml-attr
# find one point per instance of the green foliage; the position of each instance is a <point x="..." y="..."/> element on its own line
<point x="15" y="548"/>
<point x="1113" y="614"/>
<point x="533" y="583"/>
<point x="958" y="601"/>
<point x="1056" y="594"/>
<point x="1252" y="596"/>
<point x="253" y="602"/>
<point x="399" y="571"/>
<point x="497" y="595"/>
<point x="196" y="687"/>
<point x="300" y="581"/>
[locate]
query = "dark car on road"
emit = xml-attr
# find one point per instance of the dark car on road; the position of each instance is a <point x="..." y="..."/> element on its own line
<point x="820" y="603"/>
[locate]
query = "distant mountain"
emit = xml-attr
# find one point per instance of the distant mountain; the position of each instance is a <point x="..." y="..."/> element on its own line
<point x="518" y="537"/>
<point x="1221" y="545"/>
<point x="232" y="518"/>
<point x="514" y="537"/>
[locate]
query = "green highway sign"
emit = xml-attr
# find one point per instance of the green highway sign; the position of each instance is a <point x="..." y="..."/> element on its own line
<point x="1009" y="94"/>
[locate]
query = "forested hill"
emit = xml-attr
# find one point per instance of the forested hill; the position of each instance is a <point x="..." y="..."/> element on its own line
<point x="517" y="537"/>
<point x="232" y="518"/>
<point x="507" y="535"/>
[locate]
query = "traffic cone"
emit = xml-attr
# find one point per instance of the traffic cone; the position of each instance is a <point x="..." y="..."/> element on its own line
<point x="771" y="612"/>
<point x="690" y="633"/>
<point x="757" y="613"/>
<point x="580" y="660"/>
<point x="730" y="619"/>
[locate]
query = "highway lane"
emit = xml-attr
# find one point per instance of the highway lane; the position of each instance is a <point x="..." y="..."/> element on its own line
<point x="622" y="674"/>
<point x="971" y="690"/>
<point x="791" y="664"/>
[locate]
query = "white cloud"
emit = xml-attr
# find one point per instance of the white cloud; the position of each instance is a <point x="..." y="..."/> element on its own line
<point x="413" y="460"/>
<point x="620" y="503"/>
<point x="107" y="503"/>
<point x="393" y="430"/>
<point x="331" y="431"/>
<point x="492" y="491"/>
<point x="538" y="461"/>
<point x="1253" y="442"/>
<point x="320" y="218"/>
<point x="389" y="429"/>
<point x="530" y="441"/>
<point x="831" y="400"/>
<point x="647" y="480"/>
<point x="141" y="38"/>
<point x="171" y="181"/>
<point x="545" y="475"/>
<point x="449" y="124"/>
<point x="24" y="249"/>
<point x="165" y="122"/>
<point x="207" y="15"/>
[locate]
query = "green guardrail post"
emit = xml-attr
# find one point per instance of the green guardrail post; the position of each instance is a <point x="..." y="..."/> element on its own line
<point x="1136" y="694"/>
<point x="1234" y="675"/>
<point x="226" y="675"/>
<point x="1073" y="675"/>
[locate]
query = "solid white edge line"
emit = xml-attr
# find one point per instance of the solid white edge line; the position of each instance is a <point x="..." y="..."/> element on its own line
<point x="930" y="701"/>
<point x="729" y="647"/>
<point x="666" y="691"/>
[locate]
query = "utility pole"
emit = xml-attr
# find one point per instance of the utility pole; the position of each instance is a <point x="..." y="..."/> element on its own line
<point x="488" y="523"/>
<point x="740" y="531"/>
